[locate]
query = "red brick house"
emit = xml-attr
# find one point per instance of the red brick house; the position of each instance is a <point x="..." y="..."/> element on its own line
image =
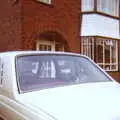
<point x="31" y="24"/>
<point x="90" y="27"/>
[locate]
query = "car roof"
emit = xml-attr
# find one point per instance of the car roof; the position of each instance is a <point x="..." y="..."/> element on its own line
<point x="20" y="53"/>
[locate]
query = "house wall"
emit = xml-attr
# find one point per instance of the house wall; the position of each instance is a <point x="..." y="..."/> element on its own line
<point x="62" y="17"/>
<point x="22" y="23"/>
<point x="10" y="25"/>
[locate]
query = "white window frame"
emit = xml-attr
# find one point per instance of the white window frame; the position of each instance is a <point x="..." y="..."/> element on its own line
<point x="110" y="7"/>
<point x="45" y="1"/>
<point x="89" y="46"/>
<point x="48" y="43"/>
<point x="45" y="43"/>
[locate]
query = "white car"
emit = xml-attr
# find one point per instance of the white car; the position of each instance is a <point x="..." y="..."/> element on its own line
<point x="55" y="86"/>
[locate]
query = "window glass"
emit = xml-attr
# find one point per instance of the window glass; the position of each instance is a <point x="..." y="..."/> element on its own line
<point x="108" y="6"/>
<point x="99" y="49"/>
<point x="87" y="5"/>
<point x="44" y="45"/>
<point x="46" y="71"/>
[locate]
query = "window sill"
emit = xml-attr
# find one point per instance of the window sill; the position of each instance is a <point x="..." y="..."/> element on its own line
<point x="46" y="4"/>
<point x="100" y="13"/>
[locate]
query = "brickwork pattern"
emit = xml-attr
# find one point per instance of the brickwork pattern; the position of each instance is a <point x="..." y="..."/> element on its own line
<point x="63" y="17"/>
<point x="10" y="26"/>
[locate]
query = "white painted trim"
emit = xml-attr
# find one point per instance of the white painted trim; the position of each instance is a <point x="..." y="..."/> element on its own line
<point x="110" y="7"/>
<point x="51" y="43"/>
<point x="45" y="1"/>
<point x="98" y="25"/>
<point x="44" y="42"/>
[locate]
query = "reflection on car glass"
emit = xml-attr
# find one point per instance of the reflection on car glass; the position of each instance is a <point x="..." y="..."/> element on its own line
<point x="47" y="71"/>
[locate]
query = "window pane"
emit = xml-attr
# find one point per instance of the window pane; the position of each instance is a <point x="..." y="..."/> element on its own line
<point x="113" y="67"/>
<point x="107" y="67"/>
<point x="108" y="6"/>
<point x="87" y="5"/>
<point x="41" y="47"/>
<point x="99" y="51"/>
<point x="44" y="47"/>
<point x="114" y="50"/>
<point x="88" y="46"/>
<point x="107" y="51"/>
<point x="49" y="47"/>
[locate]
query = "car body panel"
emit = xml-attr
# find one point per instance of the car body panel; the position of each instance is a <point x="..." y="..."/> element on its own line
<point x="88" y="101"/>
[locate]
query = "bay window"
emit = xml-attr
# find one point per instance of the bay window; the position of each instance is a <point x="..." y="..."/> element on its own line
<point x="102" y="50"/>
<point x="110" y="7"/>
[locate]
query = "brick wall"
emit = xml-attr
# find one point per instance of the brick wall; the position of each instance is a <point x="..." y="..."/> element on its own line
<point x="10" y="26"/>
<point x="62" y="17"/>
<point x="22" y="23"/>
